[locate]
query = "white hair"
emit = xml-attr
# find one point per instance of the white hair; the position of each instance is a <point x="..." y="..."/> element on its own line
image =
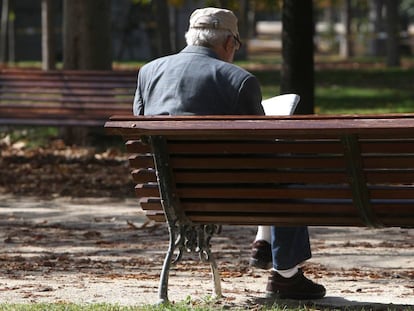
<point x="206" y="37"/>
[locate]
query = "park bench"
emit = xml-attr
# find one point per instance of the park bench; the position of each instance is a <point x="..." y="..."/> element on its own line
<point x="64" y="97"/>
<point x="200" y="172"/>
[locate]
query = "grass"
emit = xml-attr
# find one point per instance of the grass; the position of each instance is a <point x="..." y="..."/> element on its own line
<point x="348" y="91"/>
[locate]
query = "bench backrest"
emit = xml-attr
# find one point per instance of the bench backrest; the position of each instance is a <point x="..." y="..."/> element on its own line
<point x="64" y="97"/>
<point x="309" y="170"/>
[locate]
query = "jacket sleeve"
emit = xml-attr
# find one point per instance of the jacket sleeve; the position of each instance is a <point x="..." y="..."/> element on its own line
<point x="138" y="105"/>
<point x="250" y="98"/>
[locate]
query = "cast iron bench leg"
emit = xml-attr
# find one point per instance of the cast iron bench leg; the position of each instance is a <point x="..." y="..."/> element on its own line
<point x="194" y="239"/>
<point x="204" y="235"/>
<point x="163" y="286"/>
<point x="216" y="276"/>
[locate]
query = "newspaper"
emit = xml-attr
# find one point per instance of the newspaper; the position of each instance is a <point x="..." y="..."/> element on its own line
<point x="281" y="105"/>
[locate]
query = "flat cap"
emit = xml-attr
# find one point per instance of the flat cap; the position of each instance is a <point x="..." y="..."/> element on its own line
<point x="214" y="18"/>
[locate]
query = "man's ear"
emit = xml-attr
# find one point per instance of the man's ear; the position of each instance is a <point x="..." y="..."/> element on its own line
<point x="228" y="44"/>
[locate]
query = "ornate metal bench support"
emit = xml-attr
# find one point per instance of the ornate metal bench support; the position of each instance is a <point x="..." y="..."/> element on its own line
<point x="189" y="238"/>
<point x="184" y="236"/>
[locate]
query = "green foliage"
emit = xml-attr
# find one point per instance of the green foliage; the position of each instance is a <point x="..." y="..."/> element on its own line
<point x="407" y="7"/>
<point x="142" y="2"/>
<point x="364" y="91"/>
<point x="30" y="136"/>
<point x="349" y="91"/>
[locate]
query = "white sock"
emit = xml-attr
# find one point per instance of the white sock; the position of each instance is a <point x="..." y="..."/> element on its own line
<point x="289" y="272"/>
<point x="263" y="233"/>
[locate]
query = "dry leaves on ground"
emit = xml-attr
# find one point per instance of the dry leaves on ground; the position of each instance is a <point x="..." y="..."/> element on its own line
<point x="60" y="170"/>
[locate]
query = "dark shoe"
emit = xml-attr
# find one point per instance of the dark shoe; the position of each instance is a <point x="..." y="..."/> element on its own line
<point x="261" y="256"/>
<point x="296" y="287"/>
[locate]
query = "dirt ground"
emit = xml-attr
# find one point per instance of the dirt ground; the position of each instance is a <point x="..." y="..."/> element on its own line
<point x="72" y="231"/>
<point x="90" y="250"/>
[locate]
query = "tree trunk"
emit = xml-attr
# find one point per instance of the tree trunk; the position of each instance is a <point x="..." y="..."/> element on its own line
<point x="161" y="13"/>
<point x="243" y="21"/>
<point x="346" y="45"/>
<point x="4" y="30"/>
<point x="297" y="75"/>
<point x="87" y="35"/>
<point x="393" y="33"/>
<point x="11" y="35"/>
<point x="48" y="35"/>
<point x="376" y="43"/>
<point x="87" y="46"/>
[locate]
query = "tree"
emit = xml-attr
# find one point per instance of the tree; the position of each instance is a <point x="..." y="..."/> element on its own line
<point x="297" y="75"/>
<point x="346" y="47"/>
<point x="377" y="27"/>
<point x="161" y="13"/>
<point x="393" y="33"/>
<point x="4" y="30"/>
<point x="87" y="40"/>
<point x="48" y="36"/>
<point x="87" y="45"/>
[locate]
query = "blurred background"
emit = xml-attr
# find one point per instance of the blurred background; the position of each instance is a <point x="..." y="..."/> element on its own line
<point x="140" y="30"/>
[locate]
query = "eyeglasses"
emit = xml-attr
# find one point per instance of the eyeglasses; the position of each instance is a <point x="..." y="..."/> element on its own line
<point x="236" y="38"/>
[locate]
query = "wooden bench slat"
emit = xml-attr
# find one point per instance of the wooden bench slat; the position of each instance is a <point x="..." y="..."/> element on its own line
<point x="141" y="161"/>
<point x="157" y="216"/>
<point x="142" y="175"/>
<point x="386" y="212"/>
<point x="288" y="221"/>
<point x="389" y="176"/>
<point x="253" y="176"/>
<point x="401" y="207"/>
<point x="147" y="190"/>
<point x="257" y="207"/>
<point x="256" y="163"/>
<point x="50" y="121"/>
<point x="61" y="97"/>
<point x="17" y="92"/>
<point x="262" y="192"/>
<point x="82" y="113"/>
<point x="390" y="162"/>
<point x="137" y="146"/>
<point x="62" y="107"/>
<point x="392" y="193"/>
<point x="372" y="127"/>
<point x="84" y="100"/>
<point x="270" y="219"/>
<point x="384" y="146"/>
<point x="41" y="85"/>
<point x="223" y="147"/>
<point x="151" y="204"/>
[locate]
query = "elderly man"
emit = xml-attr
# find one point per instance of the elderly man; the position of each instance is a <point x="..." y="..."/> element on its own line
<point x="201" y="80"/>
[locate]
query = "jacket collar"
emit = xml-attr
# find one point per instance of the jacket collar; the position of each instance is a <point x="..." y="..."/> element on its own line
<point x="199" y="50"/>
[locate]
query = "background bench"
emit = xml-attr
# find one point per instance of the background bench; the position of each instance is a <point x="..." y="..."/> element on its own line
<point x="297" y="170"/>
<point x="64" y="98"/>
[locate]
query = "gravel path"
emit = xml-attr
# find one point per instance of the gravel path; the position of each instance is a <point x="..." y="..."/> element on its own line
<point x="103" y="250"/>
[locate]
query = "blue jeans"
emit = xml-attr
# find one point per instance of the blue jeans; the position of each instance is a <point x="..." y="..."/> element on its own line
<point x="290" y="246"/>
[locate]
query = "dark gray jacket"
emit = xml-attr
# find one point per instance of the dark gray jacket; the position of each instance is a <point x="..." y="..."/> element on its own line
<point x="196" y="82"/>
